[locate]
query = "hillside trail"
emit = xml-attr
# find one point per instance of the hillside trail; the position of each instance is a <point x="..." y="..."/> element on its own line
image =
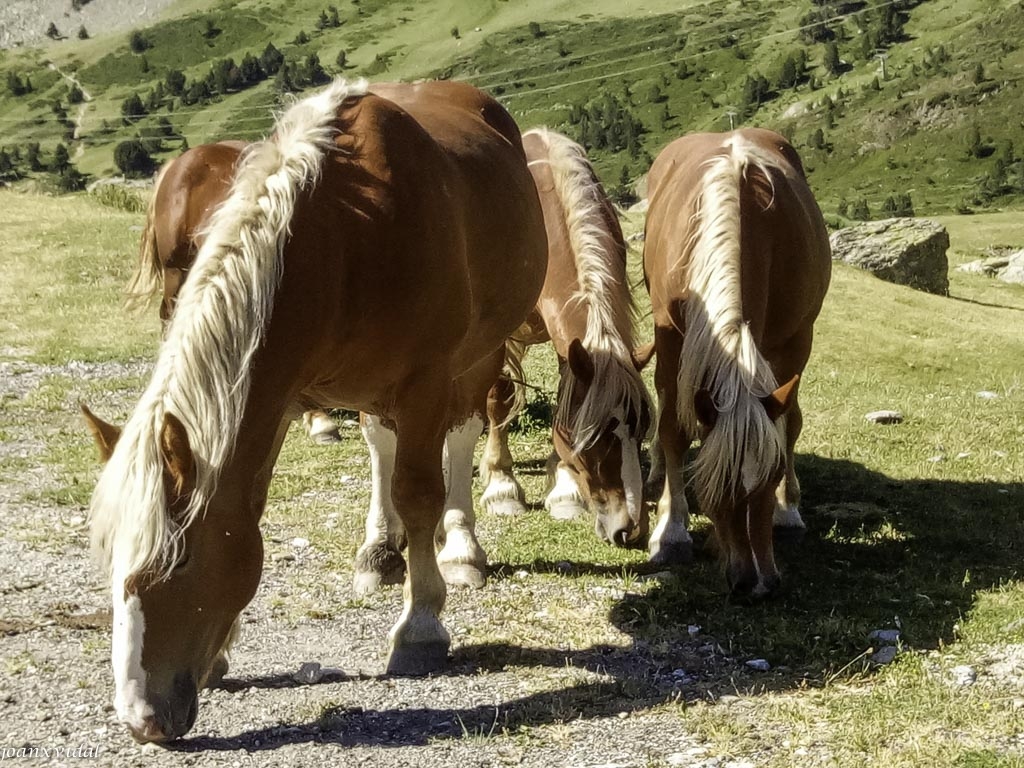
<point x="80" y="115"/>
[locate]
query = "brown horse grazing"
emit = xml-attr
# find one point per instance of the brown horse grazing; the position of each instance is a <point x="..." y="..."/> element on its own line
<point x="737" y="262"/>
<point x="187" y="191"/>
<point x="375" y="253"/>
<point x="586" y="311"/>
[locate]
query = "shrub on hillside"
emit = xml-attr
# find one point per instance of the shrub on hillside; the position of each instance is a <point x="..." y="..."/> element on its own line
<point x="132" y="159"/>
<point x="137" y="41"/>
<point x="119" y="198"/>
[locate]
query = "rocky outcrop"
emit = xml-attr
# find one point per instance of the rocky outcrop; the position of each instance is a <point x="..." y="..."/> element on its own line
<point x="909" y="252"/>
<point x="1008" y="268"/>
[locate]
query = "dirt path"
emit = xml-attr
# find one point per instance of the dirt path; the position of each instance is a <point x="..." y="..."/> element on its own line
<point x="80" y="114"/>
<point x="511" y="702"/>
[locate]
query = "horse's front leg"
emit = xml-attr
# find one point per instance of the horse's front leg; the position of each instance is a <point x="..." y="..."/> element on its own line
<point x="502" y="495"/>
<point x="670" y="541"/>
<point x="418" y="642"/>
<point x="379" y="560"/>
<point x="565" y="500"/>
<point x="787" y="495"/>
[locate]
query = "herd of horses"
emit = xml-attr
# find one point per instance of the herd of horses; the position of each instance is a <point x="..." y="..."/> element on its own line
<point x="395" y="250"/>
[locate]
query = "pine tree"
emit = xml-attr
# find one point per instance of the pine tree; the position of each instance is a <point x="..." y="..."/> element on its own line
<point x="61" y="159"/>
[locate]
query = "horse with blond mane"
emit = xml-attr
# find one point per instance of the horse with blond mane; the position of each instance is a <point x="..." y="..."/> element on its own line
<point x="737" y="262"/>
<point x="586" y="311"/>
<point x="374" y="253"/>
<point x="186" y="192"/>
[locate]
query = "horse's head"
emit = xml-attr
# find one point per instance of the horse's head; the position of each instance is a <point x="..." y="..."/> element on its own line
<point x="174" y="607"/>
<point x="603" y="420"/>
<point x="741" y="463"/>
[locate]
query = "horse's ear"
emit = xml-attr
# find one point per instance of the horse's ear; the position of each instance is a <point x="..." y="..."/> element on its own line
<point x="707" y="411"/>
<point x="106" y="435"/>
<point x="580" y="363"/>
<point x="782" y="399"/>
<point x="179" y="463"/>
<point x="642" y="356"/>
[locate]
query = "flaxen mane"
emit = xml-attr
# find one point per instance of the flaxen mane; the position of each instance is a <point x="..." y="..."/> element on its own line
<point x="600" y="255"/>
<point x="719" y="353"/>
<point x="202" y="374"/>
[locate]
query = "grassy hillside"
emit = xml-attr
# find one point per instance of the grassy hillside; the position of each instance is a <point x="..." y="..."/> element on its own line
<point x="942" y="124"/>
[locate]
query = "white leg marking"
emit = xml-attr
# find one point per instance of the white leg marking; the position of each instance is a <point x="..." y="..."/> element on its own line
<point x="566" y="489"/>
<point x="787" y="515"/>
<point x="383" y="521"/>
<point x="129" y="626"/>
<point x="632" y="477"/>
<point x="673" y="516"/>
<point x="459" y="522"/>
<point x="458" y="463"/>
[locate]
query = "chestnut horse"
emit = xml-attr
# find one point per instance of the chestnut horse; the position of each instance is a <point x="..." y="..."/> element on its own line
<point x="737" y="261"/>
<point x="374" y="253"/>
<point x="586" y="311"/>
<point x="187" y="191"/>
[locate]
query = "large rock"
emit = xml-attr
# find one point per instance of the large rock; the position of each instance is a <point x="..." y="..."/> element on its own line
<point x="904" y="251"/>
<point x="1008" y="268"/>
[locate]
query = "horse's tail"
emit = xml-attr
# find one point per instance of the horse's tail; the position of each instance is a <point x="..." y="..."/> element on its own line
<point x="719" y="353"/>
<point x="147" y="278"/>
<point x="598" y="247"/>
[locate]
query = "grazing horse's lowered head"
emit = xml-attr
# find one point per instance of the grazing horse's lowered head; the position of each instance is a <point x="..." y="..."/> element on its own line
<point x="603" y="409"/>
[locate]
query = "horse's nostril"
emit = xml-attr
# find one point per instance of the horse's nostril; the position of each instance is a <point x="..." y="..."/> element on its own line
<point x="621" y="537"/>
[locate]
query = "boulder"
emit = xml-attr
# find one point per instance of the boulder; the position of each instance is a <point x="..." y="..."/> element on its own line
<point x="1009" y="268"/>
<point x="905" y="251"/>
<point x="1013" y="272"/>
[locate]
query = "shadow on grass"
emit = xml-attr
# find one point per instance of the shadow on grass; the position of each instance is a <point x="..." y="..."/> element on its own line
<point x="879" y="553"/>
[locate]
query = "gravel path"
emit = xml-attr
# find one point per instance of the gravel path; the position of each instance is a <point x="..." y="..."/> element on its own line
<point x="500" y="703"/>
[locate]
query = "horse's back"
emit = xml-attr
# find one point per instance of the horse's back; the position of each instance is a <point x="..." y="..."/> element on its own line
<point x="785" y="249"/>
<point x="423" y="235"/>
<point x="188" y="189"/>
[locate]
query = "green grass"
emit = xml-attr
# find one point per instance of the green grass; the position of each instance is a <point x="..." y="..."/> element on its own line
<point x="66" y="265"/>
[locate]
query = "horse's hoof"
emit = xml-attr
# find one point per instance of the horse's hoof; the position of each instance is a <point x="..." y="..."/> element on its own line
<point x="418" y="659"/>
<point x="508" y="507"/>
<point x="566" y="509"/>
<point x="329" y="437"/>
<point x="677" y="553"/>
<point x="463" y="575"/>
<point x="367" y="582"/>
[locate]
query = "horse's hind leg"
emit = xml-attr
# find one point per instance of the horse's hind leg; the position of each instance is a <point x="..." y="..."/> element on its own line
<point x="418" y="642"/>
<point x="379" y="560"/>
<point x="462" y="560"/>
<point x="787" y="495"/>
<point x="503" y="494"/>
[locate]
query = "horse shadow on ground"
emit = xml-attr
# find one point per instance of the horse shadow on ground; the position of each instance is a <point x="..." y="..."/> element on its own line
<point x="879" y="553"/>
